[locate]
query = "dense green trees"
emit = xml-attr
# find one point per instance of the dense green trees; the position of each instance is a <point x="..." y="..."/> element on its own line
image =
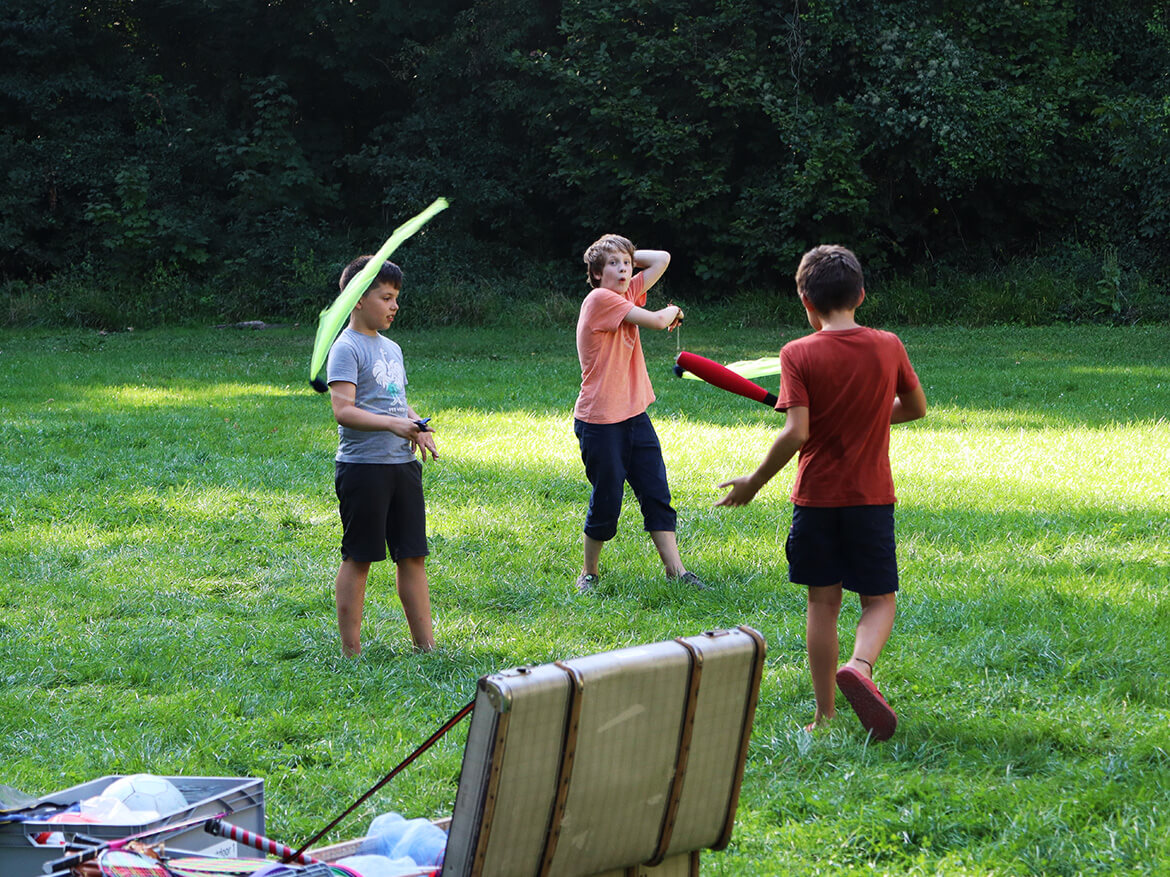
<point x="245" y="150"/>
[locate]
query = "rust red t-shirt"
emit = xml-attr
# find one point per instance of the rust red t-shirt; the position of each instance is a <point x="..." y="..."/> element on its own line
<point x="614" y="382"/>
<point x="848" y="380"/>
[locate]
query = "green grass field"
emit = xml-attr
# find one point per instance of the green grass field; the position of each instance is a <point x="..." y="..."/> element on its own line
<point x="168" y="539"/>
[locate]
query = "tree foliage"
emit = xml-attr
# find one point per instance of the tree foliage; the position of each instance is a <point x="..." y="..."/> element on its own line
<point x="250" y="149"/>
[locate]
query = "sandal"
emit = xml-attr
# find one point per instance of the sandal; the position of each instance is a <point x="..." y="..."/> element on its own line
<point x="871" y="708"/>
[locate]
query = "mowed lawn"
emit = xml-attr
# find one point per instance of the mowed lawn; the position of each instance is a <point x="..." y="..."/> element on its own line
<point x="168" y="540"/>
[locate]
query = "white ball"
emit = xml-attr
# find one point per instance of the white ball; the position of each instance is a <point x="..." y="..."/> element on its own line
<point x="145" y="791"/>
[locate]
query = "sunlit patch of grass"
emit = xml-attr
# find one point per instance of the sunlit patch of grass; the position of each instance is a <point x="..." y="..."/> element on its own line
<point x="184" y="393"/>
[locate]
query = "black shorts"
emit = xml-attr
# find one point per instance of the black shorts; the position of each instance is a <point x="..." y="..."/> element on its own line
<point x="616" y="453"/>
<point x="381" y="504"/>
<point x="853" y="545"/>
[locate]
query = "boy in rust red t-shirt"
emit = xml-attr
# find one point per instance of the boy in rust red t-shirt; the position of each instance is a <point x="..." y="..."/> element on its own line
<point x="618" y="441"/>
<point x="841" y="387"/>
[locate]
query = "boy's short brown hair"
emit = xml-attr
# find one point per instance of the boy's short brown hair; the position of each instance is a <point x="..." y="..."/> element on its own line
<point x="596" y="255"/>
<point x="830" y="277"/>
<point x="388" y="273"/>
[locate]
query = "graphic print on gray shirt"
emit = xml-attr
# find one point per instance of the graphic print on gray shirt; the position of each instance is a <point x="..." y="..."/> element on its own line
<point x="374" y="364"/>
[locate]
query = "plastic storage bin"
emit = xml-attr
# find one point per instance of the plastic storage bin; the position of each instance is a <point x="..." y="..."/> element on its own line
<point x="241" y="798"/>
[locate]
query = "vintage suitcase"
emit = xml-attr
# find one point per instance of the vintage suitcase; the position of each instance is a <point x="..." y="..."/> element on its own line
<point x="620" y="764"/>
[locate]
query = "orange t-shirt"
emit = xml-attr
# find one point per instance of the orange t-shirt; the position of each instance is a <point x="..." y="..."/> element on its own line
<point x="614" y="382"/>
<point x="848" y="381"/>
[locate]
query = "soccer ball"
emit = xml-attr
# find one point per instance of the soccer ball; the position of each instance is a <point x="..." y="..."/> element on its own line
<point x="145" y="791"/>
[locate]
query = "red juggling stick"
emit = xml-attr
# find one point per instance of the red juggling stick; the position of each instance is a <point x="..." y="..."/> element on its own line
<point x="257" y="841"/>
<point x="723" y="378"/>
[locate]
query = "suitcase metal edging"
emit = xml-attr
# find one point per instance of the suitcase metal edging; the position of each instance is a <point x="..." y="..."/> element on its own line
<point x="748" y="720"/>
<point x="565" y="774"/>
<point x="684" y="751"/>
<point x="500" y="699"/>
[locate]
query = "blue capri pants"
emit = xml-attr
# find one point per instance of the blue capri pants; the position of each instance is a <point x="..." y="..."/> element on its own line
<point x="614" y="453"/>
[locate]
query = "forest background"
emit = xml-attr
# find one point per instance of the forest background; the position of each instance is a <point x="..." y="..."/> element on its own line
<point x="182" y="161"/>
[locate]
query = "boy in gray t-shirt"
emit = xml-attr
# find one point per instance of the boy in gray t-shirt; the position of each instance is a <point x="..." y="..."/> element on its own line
<point x="378" y="478"/>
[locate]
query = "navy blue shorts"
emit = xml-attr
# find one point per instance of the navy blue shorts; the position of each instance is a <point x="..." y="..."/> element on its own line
<point x="853" y="545"/>
<point x="614" y="453"/>
<point x="381" y="504"/>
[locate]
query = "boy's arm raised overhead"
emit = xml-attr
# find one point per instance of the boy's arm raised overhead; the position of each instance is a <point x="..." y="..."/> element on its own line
<point x="787" y="443"/>
<point x="653" y="263"/>
<point x="909" y="406"/>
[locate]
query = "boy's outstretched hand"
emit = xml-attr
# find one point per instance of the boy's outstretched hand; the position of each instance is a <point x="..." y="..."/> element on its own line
<point x="787" y="443"/>
<point x="742" y="492"/>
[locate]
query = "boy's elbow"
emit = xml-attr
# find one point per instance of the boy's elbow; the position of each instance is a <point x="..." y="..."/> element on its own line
<point x="795" y="436"/>
<point x="919" y="408"/>
<point x="914" y="404"/>
<point x="658" y="260"/>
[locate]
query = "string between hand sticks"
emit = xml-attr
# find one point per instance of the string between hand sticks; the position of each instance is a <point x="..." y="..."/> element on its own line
<point x="431" y="741"/>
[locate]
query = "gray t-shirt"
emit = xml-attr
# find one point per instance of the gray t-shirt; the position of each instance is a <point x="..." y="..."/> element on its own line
<point x="372" y="363"/>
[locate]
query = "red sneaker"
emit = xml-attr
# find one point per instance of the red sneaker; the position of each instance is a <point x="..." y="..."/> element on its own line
<point x="871" y="708"/>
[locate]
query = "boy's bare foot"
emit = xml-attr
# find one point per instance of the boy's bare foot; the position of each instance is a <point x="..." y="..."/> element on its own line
<point x="821" y="723"/>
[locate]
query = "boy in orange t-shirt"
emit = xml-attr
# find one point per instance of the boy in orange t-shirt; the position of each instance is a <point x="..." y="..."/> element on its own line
<point x="618" y="441"/>
<point x="841" y="387"/>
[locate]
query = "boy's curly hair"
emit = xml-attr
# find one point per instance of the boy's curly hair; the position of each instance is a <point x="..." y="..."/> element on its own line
<point x="599" y="250"/>
<point x="830" y="277"/>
